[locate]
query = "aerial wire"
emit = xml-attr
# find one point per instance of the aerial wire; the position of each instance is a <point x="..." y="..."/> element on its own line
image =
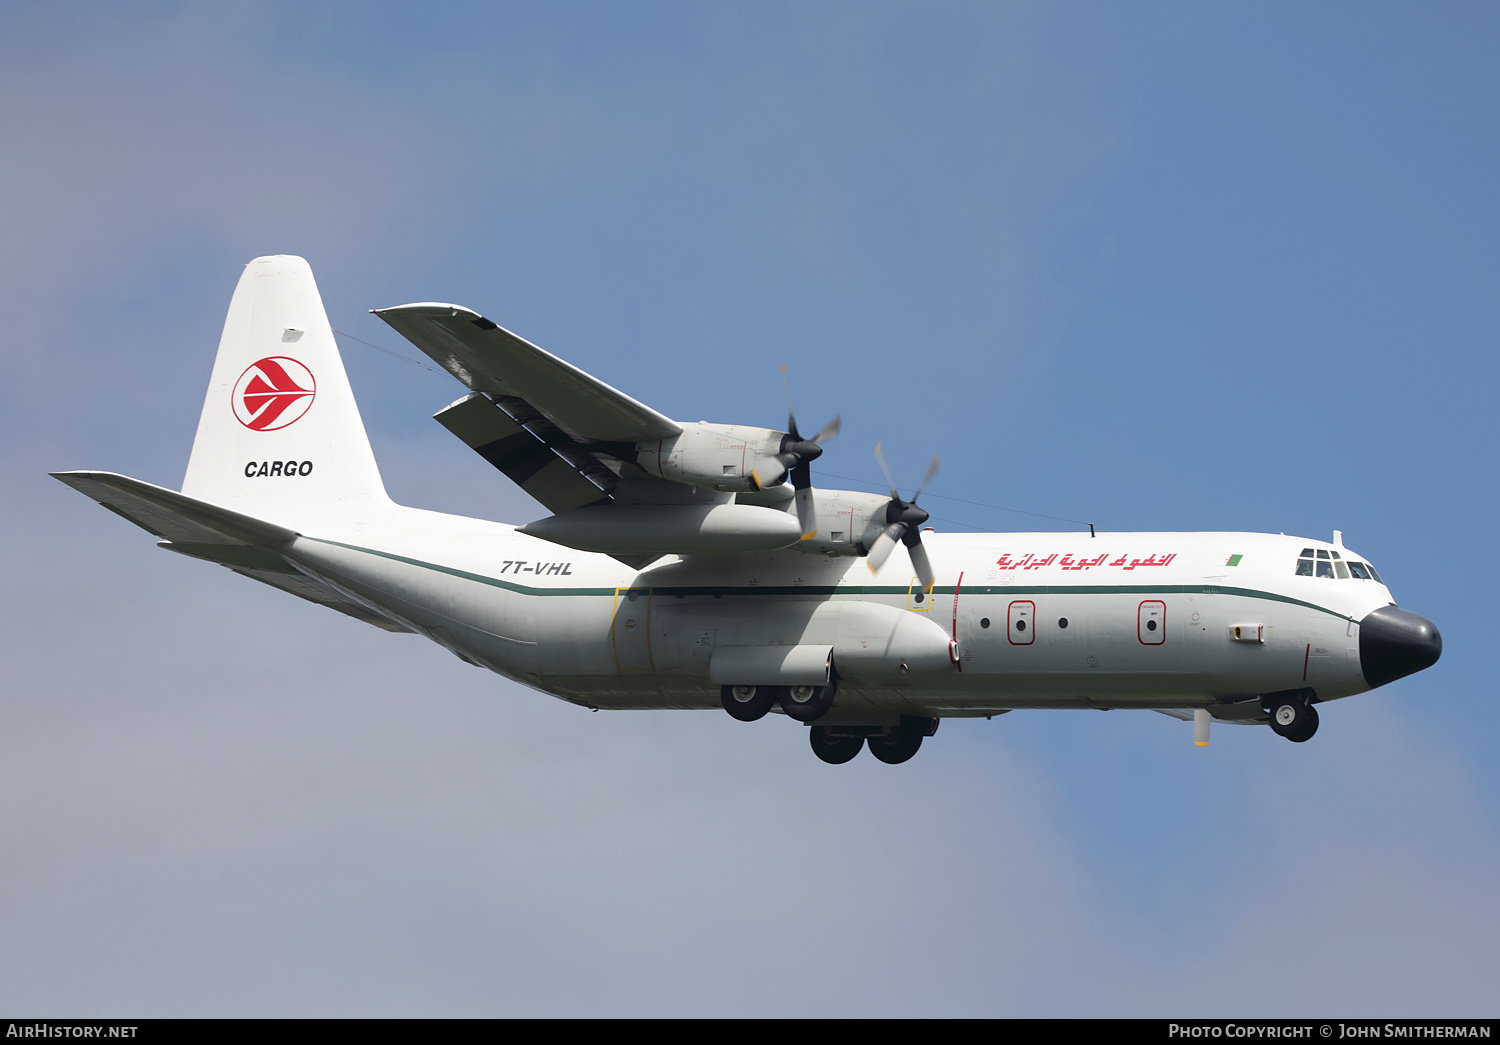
<point x="389" y="352"/>
<point x="977" y="504"/>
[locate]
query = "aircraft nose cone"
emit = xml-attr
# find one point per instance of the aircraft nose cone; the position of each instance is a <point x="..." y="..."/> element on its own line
<point x="1394" y="643"/>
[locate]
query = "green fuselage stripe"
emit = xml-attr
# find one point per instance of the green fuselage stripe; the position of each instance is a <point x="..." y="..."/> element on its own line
<point x="825" y="591"/>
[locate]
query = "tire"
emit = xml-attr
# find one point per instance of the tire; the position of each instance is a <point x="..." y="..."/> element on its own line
<point x="748" y="703"/>
<point x="1309" y="727"/>
<point x="896" y="747"/>
<point x="807" y="703"/>
<point x="1290" y="718"/>
<point x="831" y="748"/>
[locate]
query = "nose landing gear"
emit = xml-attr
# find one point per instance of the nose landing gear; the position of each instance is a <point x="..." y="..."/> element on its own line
<point x="1293" y="715"/>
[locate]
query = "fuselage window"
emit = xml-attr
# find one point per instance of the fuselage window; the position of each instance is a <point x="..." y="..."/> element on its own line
<point x="1322" y="554"/>
<point x="1373" y="574"/>
<point x="1304" y="568"/>
<point x="1358" y="569"/>
<point x="1325" y="569"/>
<point x="1336" y="555"/>
<point x="1341" y="569"/>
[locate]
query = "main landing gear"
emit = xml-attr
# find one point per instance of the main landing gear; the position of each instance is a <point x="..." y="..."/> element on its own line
<point x="803" y="703"/>
<point x="1292" y="715"/>
<point x="892" y="745"/>
<point x="834" y="744"/>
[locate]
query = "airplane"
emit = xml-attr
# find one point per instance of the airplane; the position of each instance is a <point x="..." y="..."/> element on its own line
<point x="695" y="565"/>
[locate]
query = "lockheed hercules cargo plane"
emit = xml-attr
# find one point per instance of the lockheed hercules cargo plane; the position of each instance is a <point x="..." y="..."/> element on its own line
<point x="694" y="565"/>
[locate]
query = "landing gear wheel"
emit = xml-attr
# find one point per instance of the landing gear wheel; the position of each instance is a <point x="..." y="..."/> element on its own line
<point x="806" y="703"/>
<point x="748" y="703"/>
<point x="1310" y="726"/>
<point x="1293" y="719"/>
<point x="897" y="746"/>
<point x="832" y="748"/>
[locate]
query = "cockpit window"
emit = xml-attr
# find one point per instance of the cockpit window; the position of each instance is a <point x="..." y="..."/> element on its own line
<point x="1322" y="563"/>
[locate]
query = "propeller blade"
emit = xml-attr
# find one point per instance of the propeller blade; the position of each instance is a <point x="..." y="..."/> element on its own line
<point x="921" y="565"/>
<point x="828" y="431"/>
<point x="880" y="457"/>
<point x="807" y="514"/>
<point x="932" y="470"/>
<point x="791" y="416"/>
<point x="881" y="549"/>
<point x="768" y="472"/>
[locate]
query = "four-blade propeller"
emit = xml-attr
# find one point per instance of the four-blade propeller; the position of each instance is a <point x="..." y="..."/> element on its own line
<point x="903" y="521"/>
<point x="795" y="456"/>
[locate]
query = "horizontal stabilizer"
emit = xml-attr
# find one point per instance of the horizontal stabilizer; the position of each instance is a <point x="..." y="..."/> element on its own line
<point x="201" y="530"/>
<point x="173" y="516"/>
<point x="488" y="358"/>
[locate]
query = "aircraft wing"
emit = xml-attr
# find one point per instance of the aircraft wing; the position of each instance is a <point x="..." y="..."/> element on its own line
<point x="487" y="358"/>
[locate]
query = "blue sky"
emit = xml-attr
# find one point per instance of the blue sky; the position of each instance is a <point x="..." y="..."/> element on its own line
<point x="1162" y="266"/>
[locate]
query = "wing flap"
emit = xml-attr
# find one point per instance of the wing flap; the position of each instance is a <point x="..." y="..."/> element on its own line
<point x="489" y="358"/>
<point x="527" y="460"/>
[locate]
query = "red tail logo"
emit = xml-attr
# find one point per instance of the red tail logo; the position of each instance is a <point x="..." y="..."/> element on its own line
<point x="272" y="393"/>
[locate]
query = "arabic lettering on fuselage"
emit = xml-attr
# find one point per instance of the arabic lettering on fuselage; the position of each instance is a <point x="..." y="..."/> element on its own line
<point x="1068" y="562"/>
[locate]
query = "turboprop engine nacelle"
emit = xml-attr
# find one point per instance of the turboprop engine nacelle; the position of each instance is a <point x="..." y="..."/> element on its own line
<point x="660" y="528"/>
<point x="719" y="457"/>
<point x="848" y="521"/>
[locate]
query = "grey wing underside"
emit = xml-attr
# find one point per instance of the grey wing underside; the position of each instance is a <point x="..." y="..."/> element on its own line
<point x="565" y="437"/>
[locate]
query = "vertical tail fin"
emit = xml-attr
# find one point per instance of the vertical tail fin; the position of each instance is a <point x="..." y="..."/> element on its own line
<point x="280" y="437"/>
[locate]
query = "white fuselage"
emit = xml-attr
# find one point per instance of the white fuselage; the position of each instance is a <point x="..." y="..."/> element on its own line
<point x="1150" y="617"/>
